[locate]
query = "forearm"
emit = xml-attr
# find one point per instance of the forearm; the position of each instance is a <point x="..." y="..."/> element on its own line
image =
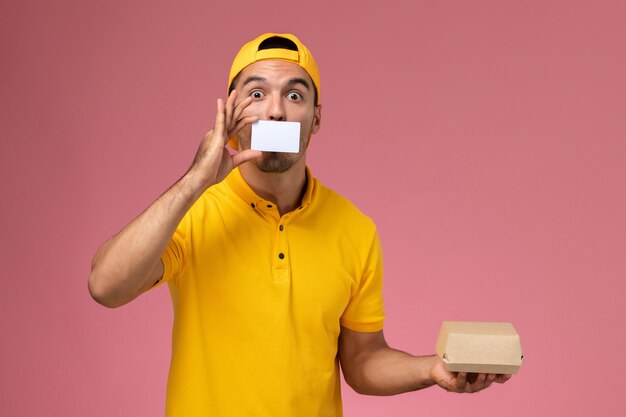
<point x="129" y="263"/>
<point x="387" y="371"/>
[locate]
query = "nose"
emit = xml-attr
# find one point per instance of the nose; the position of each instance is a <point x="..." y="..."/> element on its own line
<point x="276" y="110"/>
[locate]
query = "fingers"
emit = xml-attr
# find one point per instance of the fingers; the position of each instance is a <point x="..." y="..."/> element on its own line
<point x="473" y="382"/>
<point x="240" y="108"/>
<point x="502" y="378"/>
<point x="228" y="121"/>
<point x="241" y="124"/>
<point x="219" y="129"/>
<point x="479" y="384"/>
<point x="461" y="381"/>
<point x="230" y="105"/>
<point x="237" y="121"/>
<point x="464" y="382"/>
<point x="234" y="111"/>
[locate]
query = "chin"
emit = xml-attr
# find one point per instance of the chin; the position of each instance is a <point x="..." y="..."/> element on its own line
<point x="274" y="162"/>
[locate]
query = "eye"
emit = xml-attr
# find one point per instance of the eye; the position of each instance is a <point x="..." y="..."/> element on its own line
<point x="294" y="96"/>
<point x="256" y="94"/>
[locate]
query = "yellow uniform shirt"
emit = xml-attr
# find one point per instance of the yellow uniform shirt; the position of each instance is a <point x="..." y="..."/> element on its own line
<point x="259" y="299"/>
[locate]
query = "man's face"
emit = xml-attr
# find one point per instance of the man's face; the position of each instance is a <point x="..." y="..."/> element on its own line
<point x="281" y="91"/>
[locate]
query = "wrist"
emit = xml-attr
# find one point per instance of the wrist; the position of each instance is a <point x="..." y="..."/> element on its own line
<point x="422" y="375"/>
<point x="426" y="374"/>
<point x="192" y="185"/>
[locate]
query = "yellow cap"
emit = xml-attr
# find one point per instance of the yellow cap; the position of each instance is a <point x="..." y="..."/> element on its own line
<point x="250" y="53"/>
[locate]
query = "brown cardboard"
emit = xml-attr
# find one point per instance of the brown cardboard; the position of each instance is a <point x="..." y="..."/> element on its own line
<point x="492" y="348"/>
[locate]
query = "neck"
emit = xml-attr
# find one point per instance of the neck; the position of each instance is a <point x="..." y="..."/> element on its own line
<point x="285" y="189"/>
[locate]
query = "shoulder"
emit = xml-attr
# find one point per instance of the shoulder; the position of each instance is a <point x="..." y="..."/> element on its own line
<point x="342" y="210"/>
<point x="215" y="199"/>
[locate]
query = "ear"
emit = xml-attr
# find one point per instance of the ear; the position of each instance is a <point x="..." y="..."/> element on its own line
<point x="317" y="118"/>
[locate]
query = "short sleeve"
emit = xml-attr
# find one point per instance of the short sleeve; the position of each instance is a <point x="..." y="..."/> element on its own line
<point x="365" y="312"/>
<point x="177" y="250"/>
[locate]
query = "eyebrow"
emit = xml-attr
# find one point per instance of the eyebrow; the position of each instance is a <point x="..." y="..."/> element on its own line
<point x="301" y="81"/>
<point x="253" y="78"/>
<point x="292" y="82"/>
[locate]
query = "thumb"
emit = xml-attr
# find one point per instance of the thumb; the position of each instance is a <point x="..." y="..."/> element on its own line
<point x="245" y="156"/>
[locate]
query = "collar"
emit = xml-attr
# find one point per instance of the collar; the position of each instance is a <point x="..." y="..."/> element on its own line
<point x="239" y="185"/>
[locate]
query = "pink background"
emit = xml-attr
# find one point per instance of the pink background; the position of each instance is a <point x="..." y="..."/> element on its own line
<point x="487" y="139"/>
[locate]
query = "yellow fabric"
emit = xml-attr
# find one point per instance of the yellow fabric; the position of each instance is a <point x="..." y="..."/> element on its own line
<point x="277" y="53"/>
<point x="254" y="334"/>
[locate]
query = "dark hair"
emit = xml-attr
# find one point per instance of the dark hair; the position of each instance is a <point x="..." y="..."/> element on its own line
<point x="275" y="42"/>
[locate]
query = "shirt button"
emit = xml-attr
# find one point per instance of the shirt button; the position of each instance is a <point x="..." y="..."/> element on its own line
<point x="269" y="206"/>
<point x="281" y="255"/>
<point x="281" y="228"/>
<point x="252" y="204"/>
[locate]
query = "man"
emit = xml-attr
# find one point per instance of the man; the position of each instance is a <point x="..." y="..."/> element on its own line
<point x="275" y="279"/>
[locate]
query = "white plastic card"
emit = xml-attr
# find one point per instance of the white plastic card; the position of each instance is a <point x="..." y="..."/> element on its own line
<point x="272" y="136"/>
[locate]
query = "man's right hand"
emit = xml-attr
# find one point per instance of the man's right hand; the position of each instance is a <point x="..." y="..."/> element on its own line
<point x="129" y="263"/>
<point x="213" y="161"/>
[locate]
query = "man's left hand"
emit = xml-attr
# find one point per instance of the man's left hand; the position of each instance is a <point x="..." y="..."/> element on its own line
<point x="463" y="381"/>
